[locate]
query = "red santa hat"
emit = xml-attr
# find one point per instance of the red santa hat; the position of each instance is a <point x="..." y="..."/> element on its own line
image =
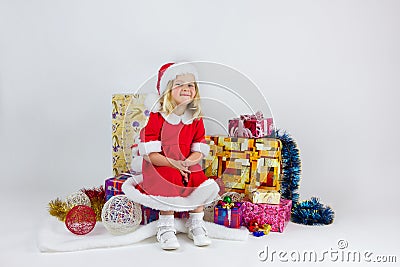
<point x="169" y="72"/>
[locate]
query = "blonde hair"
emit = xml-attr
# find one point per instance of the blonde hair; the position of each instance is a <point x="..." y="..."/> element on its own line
<point x="168" y="104"/>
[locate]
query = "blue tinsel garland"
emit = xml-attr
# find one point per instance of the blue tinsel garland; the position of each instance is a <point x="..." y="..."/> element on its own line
<point x="308" y="212"/>
<point x="312" y="212"/>
<point x="291" y="166"/>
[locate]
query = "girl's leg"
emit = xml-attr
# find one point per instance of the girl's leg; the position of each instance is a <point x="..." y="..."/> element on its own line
<point x="198" y="209"/>
<point x="197" y="230"/>
<point x="162" y="212"/>
<point x="166" y="231"/>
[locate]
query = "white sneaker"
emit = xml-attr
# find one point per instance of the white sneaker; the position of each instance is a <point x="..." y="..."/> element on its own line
<point x="166" y="233"/>
<point x="197" y="230"/>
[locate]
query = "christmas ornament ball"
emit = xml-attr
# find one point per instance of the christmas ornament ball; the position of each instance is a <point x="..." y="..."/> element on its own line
<point x="80" y="220"/>
<point x="232" y="197"/>
<point x="227" y="199"/>
<point x="78" y="198"/>
<point x="120" y="215"/>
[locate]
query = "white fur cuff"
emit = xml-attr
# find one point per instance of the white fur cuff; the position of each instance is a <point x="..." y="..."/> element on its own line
<point x="201" y="147"/>
<point x="204" y="194"/>
<point x="145" y="148"/>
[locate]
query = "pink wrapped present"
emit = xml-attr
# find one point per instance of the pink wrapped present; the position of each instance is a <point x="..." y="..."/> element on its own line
<point x="275" y="215"/>
<point x="251" y="126"/>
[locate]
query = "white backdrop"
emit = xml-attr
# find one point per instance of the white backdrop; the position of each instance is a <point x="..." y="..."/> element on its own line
<point x="329" y="70"/>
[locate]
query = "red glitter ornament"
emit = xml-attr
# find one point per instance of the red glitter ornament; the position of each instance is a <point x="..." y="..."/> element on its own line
<point x="80" y="220"/>
<point x="253" y="226"/>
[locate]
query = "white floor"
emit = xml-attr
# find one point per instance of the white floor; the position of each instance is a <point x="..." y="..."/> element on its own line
<point x="379" y="235"/>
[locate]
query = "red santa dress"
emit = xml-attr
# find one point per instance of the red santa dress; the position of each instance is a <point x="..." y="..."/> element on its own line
<point x="162" y="187"/>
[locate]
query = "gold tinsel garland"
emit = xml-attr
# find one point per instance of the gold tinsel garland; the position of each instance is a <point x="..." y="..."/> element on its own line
<point x="59" y="208"/>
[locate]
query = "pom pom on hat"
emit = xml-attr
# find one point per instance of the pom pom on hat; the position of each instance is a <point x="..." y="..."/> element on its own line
<point x="169" y="72"/>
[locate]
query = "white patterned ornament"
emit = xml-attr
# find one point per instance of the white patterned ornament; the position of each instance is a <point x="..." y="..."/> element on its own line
<point x="120" y="215"/>
<point x="78" y="198"/>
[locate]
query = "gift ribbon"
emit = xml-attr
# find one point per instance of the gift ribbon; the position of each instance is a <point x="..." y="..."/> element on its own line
<point x="242" y="131"/>
<point x="228" y="207"/>
<point x="229" y="216"/>
<point x="258" y="116"/>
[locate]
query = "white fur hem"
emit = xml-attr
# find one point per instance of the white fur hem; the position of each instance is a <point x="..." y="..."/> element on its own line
<point x="206" y="193"/>
<point x="201" y="147"/>
<point x="54" y="237"/>
<point x="145" y="148"/>
<point x="136" y="164"/>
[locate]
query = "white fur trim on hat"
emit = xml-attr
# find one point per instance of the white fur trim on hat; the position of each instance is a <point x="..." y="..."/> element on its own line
<point x="204" y="194"/>
<point x="200" y="147"/>
<point x="145" y="148"/>
<point x="174" y="70"/>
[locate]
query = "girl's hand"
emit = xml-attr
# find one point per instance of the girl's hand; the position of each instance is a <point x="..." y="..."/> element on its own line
<point x="178" y="164"/>
<point x="185" y="176"/>
<point x="187" y="163"/>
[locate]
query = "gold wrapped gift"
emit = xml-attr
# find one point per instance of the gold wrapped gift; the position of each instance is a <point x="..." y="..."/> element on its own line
<point x="265" y="196"/>
<point x="129" y="116"/>
<point x="244" y="162"/>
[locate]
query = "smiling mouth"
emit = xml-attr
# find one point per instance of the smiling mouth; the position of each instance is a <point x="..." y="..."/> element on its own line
<point x="185" y="94"/>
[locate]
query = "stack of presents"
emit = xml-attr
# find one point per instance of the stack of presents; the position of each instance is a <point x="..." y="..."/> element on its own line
<point x="247" y="165"/>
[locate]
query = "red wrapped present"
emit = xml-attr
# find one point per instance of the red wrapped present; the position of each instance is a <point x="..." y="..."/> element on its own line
<point x="275" y="215"/>
<point x="113" y="185"/>
<point x="148" y="215"/>
<point x="251" y="126"/>
<point x="181" y="215"/>
<point x="227" y="216"/>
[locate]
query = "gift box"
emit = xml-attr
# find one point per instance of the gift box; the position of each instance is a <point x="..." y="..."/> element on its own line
<point x="275" y="215"/>
<point x="255" y="126"/>
<point x="229" y="217"/>
<point x="129" y="116"/>
<point x="113" y="185"/>
<point x="148" y="215"/>
<point x="265" y="196"/>
<point x="182" y="215"/>
<point x="210" y="161"/>
<point x="244" y="162"/>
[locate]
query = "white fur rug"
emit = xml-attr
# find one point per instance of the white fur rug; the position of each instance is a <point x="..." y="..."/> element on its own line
<point x="55" y="237"/>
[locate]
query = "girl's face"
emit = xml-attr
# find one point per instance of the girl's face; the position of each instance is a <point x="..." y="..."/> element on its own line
<point x="183" y="89"/>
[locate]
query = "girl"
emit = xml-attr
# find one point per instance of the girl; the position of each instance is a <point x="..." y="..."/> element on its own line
<point x="172" y="146"/>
